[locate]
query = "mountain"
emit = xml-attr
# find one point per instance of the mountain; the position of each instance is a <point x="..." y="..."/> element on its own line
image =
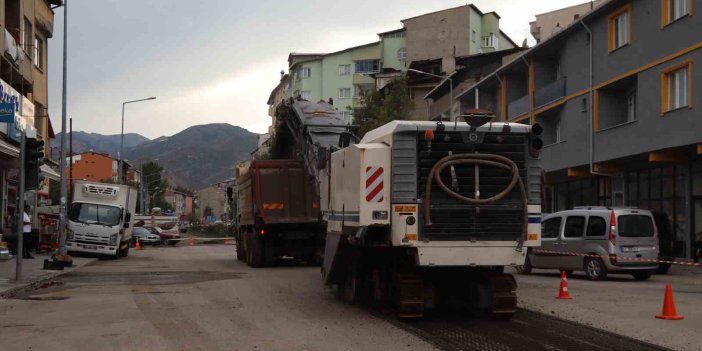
<point x="83" y="142"/>
<point x="200" y="155"/>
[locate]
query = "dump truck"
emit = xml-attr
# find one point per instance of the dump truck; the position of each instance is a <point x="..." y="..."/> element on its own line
<point x="277" y="213"/>
<point x="420" y="214"/>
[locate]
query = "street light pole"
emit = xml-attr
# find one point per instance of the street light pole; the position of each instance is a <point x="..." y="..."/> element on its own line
<point x="62" y="167"/>
<point x="121" y="141"/>
<point x="442" y="82"/>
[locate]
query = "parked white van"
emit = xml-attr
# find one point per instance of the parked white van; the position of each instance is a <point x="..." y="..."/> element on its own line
<point x="597" y="240"/>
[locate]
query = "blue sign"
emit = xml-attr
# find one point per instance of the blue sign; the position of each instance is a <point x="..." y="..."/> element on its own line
<point x="7" y="112"/>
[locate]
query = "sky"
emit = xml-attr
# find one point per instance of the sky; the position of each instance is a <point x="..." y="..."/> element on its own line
<point x="215" y="61"/>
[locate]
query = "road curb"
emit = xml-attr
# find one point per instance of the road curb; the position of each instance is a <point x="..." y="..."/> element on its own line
<point x="34" y="284"/>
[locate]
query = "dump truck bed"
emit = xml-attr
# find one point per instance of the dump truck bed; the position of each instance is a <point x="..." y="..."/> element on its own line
<point x="275" y="192"/>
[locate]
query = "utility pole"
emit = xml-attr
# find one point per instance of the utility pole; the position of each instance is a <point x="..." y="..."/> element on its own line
<point x="20" y="207"/>
<point x="62" y="168"/>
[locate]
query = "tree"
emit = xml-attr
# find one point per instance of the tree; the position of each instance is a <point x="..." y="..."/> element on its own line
<point x="379" y="107"/>
<point x="156" y="185"/>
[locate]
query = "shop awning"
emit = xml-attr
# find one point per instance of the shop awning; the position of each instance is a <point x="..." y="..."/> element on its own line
<point x="8" y="149"/>
<point x="50" y="173"/>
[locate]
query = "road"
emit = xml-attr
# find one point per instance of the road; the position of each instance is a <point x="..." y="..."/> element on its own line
<point x="201" y="298"/>
<point x="192" y="298"/>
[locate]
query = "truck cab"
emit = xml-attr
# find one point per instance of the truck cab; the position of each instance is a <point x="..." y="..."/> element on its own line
<point x="100" y="219"/>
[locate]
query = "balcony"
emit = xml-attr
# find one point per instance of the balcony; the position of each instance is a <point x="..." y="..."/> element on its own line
<point x="549" y="93"/>
<point x="518" y="107"/>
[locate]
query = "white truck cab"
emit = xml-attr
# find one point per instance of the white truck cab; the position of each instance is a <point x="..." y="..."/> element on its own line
<point x="100" y="218"/>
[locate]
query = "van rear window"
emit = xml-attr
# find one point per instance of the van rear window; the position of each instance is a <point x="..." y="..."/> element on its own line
<point x="635" y="226"/>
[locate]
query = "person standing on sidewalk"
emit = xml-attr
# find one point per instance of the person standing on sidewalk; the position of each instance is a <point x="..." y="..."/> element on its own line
<point x="697" y="249"/>
<point x="27" y="230"/>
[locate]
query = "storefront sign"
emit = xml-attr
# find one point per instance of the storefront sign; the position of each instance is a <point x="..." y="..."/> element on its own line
<point x="7" y="112"/>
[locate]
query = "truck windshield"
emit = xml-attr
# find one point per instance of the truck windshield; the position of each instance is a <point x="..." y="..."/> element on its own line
<point x="95" y="214"/>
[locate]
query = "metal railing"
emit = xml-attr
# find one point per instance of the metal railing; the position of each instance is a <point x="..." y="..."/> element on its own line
<point x="549" y="93"/>
<point x="518" y="107"/>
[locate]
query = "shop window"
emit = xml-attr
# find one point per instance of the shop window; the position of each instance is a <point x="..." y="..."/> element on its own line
<point x="620" y="28"/>
<point x="676" y="87"/>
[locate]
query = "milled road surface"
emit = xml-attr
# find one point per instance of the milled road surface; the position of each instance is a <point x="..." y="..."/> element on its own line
<point x="201" y="298"/>
<point x="192" y="298"/>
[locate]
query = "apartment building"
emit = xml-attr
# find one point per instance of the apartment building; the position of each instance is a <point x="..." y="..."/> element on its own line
<point x="552" y="22"/>
<point x="100" y="167"/>
<point x="26" y="25"/>
<point x="341" y="77"/>
<point x="617" y="93"/>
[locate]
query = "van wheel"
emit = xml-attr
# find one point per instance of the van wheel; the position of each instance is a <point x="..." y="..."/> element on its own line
<point x="663" y="268"/>
<point x="526" y="268"/>
<point x="642" y="275"/>
<point x="595" y="269"/>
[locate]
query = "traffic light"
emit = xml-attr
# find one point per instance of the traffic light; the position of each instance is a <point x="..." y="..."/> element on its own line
<point x="33" y="159"/>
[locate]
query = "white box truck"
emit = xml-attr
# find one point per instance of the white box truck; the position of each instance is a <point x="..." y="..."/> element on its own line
<point x="100" y="219"/>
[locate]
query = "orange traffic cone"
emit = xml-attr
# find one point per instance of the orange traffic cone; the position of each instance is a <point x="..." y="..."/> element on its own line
<point x="563" y="292"/>
<point x="191" y="242"/>
<point x="138" y="245"/>
<point x="669" y="311"/>
<point x="226" y="240"/>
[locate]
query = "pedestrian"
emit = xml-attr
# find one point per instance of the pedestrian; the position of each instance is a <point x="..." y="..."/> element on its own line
<point x="697" y="248"/>
<point x="27" y="232"/>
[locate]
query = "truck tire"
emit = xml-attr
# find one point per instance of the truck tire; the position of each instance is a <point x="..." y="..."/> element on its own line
<point x="255" y="251"/>
<point x="240" y="254"/>
<point x="125" y="252"/>
<point x="526" y="268"/>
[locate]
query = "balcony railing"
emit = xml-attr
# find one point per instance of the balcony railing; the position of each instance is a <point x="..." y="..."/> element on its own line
<point x="518" y="107"/>
<point x="549" y="93"/>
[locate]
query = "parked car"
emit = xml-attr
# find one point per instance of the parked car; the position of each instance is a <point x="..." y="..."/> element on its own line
<point x="167" y="237"/>
<point x="145" y="236"/>
<point x="598" y="241"/>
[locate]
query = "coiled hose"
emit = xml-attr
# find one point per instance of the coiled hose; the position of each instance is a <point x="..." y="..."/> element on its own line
<point x="489" y="160"/>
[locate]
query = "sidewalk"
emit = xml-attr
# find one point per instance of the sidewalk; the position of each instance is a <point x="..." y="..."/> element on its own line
<point x="621" y="304"/>
<point x="33" y="271"/>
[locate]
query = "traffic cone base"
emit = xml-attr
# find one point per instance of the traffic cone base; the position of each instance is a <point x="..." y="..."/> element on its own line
<point x="669" y="312"/>
<point x="563" y="292"/>
<point x="138" y="245"/>
<point x="191" y="242"/>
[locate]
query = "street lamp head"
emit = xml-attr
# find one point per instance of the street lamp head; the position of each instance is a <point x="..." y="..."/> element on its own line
<point x="152" y="98"/>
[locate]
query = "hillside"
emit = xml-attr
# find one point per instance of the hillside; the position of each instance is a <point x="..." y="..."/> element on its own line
<point x="83" y="141"/>
<point x="200" y="155"/>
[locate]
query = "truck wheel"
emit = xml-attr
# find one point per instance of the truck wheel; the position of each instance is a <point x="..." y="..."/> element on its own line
<point x="255" y="248"/>
<point x="595" y="269"/>
<point x="125" y="252"/>
<point x="526" y="268"/>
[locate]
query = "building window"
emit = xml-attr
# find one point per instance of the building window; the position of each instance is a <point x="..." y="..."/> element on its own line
<point x="558" y="131"/>
<point x="347" y="115"/>
<point x="344" y="70"/>
<point x="39" y="52"/>
<point x="631" y="107"/>
<point x="345" y="93"/>
<point x="676" y="87"/>
<point x="620" y="28"/>
<point x="306" y="72"/>
<point x="115" y="166"/>
<point x="306" y="95"/>
<point x="490" y="41"/>
<point x="673" y="10"/>
<point x="402" y="55"/>
<point x="473" y="36"/>
<point x="368" y="66"/>
<point x="114" y="179"/>
<point x="27" y="36"/>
